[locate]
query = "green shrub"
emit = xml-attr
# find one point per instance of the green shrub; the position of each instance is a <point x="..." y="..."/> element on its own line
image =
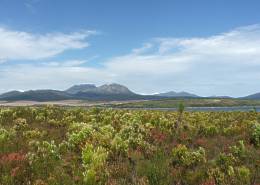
<point x="182" y="156"/>
<point x="255" y="134"/>
<point x="243" y="175"/>
<point x="93" y="161"/>
<point x="208" y="131"/>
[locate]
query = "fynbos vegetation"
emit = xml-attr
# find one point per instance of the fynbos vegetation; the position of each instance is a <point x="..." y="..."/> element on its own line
<point x="56" y="146"/>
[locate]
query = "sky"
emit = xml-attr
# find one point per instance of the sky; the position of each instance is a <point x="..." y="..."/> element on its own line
<point x="203" y="47"/>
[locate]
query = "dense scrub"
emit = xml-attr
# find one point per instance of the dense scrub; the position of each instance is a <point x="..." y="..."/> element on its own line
<point x="51" y="145"/>
<point x="189" y="102"/>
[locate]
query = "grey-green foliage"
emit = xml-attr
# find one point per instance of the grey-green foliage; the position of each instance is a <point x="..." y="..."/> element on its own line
<point x="182" y="156"/>
<point x="93" y="160"/>
<point x="255" y="134"/>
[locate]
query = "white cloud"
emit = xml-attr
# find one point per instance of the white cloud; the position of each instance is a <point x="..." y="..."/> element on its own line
<point x="2" y="60"/>
<point x="26" y="77"/>
<point x="227" y="63"/>
<point x="18" y="45"/>
<point x="68" y="63"/>
<point x="143" y="49"/>
<point x="224" y="64"/>
<point x="175" y="55"/>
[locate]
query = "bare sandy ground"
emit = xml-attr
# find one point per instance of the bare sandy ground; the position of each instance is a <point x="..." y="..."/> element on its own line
<point x="61" y="103"/>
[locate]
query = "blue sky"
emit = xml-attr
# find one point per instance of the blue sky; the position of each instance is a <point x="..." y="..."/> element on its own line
<point x="205" y="47"/>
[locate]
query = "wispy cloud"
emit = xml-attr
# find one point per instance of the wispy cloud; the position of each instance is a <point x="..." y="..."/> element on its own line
<point x="67" y="63"/>
<point x="223" y="64"/>
<point x="2" y="60"/>
<point x="26" y="77"/>
<point x="30" y="5"/>
<point x="218" y="64"/>
<point x="18" y="45"/>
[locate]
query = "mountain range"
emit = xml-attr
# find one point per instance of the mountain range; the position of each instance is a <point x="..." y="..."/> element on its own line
<point x="103" y="89"/>
<point x="107" y="92"/>
<point x="255" y="96"/>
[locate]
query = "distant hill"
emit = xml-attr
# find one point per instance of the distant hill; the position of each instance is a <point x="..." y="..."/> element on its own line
<point x="114" y="89"/>
<point x="36" y="95"/>
<point x="255" y="96"/>
<point x="109" y="92"/>
<point x="81" y="88"/>
<point x="109" y="89"/>
<point x="221" y="97"/>
<point x="10" y="94"/>
<point x="173" y="94"/>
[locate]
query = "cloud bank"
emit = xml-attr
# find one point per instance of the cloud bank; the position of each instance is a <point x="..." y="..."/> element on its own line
<point x="223" y="64"/>
<point x="17" y="45"/>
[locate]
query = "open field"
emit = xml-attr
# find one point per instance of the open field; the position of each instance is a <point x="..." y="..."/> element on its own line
<point x="164" y="103"/>
<point x="51" y="145"/>
<point x="192" y="102"/>
<point x="64" y="103"/>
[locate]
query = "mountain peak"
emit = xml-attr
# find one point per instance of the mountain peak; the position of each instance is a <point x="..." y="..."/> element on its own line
<point x="10" y="93"/>
<point x="81" y="88"/>
<point x="114" y="88"/>
<point x="255" y="96"/>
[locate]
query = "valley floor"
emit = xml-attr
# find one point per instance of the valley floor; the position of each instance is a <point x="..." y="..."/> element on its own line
<point x="64" y="103"/>
<point x="170" y="103"/>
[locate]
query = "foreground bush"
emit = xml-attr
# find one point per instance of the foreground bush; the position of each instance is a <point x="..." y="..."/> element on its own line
<point x="58" y="146"/>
